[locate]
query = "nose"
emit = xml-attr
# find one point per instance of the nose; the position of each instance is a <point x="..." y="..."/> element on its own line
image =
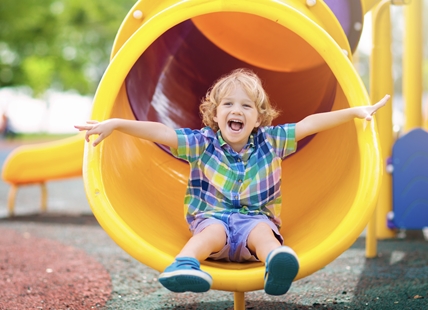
<point x="236" y="109"/>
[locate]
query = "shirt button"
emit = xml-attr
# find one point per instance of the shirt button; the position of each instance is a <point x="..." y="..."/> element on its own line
<point x="236" y="196"/>
<point x="240" y="181"/>
<point x="239" y="160"/>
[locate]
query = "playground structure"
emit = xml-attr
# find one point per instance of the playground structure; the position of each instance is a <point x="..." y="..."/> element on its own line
<point x="165" y="56"/>
<point x="39" y="163"/>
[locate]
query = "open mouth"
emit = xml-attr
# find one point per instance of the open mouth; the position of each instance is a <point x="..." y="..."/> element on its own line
<point x="235" y="125"/>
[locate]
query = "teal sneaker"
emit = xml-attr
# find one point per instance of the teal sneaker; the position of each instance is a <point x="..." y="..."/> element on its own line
<point x="185" y="275"/>
<point x="282" y="266"/>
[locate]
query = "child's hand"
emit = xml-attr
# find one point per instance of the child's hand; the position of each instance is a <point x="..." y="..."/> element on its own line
<point x="368" y="111"/>
<point x="103" y="130"/>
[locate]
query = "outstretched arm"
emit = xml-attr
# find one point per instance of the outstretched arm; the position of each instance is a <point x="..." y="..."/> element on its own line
<point x="318" y="122"/>
<point x="152" y="131"/>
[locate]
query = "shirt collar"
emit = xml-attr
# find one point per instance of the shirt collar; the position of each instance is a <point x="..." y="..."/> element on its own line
<point x="250" y="142"/>
<point x="220" y="138"/>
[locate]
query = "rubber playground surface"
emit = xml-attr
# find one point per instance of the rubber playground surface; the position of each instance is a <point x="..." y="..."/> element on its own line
<point x="64" y="260"/>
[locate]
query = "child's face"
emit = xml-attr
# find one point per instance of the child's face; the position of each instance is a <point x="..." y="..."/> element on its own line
<point x="237" y="116"/>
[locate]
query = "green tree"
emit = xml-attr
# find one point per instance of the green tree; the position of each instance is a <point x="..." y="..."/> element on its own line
<point x="63" y="44"/>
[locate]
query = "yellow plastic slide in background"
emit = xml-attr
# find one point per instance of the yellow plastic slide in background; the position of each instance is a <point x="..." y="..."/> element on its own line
<point x="35" y="163"/>
<point x="166" y="55"/>
<point x="38" y="163"/>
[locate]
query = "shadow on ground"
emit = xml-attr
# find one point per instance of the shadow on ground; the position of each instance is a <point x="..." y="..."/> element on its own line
<point x="54" y="218"/>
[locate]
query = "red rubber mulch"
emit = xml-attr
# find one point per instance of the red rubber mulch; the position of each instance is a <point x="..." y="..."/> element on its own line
<point x="37" y="273"/>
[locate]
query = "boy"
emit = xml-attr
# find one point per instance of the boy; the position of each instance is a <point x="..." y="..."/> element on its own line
<point x="233" y="198"/>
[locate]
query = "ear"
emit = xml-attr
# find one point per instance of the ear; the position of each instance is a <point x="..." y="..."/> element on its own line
<point x="215" y="119"/>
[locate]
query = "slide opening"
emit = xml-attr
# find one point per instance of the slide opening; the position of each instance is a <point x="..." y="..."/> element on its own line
<point x="146" y="185"/>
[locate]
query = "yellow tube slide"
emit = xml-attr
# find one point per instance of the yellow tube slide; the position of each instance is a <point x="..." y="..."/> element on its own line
<point x="166" y="54"/>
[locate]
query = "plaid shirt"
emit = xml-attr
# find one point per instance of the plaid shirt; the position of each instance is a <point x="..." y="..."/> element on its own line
<point x="223" y="182"/>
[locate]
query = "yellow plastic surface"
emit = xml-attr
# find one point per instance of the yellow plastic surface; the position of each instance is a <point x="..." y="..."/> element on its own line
<point x="36" y="163"/>
<point x="412" y="65"/>
<point x="136" y="190"/>
<point x="381" y="82"/>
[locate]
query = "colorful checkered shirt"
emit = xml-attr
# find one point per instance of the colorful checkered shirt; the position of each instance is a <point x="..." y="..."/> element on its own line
<point x="223" y="182"/>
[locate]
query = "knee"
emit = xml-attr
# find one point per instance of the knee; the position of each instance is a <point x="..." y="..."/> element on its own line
<point x="262" y="228"/>
<point x="261" y="234"/>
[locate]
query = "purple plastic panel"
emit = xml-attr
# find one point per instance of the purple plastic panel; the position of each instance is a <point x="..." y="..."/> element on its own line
<point x="349" y="14"/>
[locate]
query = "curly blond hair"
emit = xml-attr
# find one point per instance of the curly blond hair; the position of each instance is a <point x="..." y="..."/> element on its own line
<point x="250" y="83"/>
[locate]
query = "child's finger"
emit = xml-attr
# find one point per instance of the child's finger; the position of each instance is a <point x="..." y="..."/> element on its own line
<point x="379" y="104"/>
<point x="382" y="102"/>
<point x="98" y="140"/>
<point x="87" y="135"/>
<point x="82" y="127"/>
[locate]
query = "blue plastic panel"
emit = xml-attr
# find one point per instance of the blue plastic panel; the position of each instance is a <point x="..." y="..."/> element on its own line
<point x="410" y="180"/>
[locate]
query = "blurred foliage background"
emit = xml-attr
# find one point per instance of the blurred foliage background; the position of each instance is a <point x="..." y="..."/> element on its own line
<point x="65" y="44"/>
<point x="60" y="44"/>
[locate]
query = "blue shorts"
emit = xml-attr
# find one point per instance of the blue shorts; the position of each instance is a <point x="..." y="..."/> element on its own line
<point x="238" y="227"/>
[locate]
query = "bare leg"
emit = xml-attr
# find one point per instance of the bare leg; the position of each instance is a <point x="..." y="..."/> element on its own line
<point x="212" y="239"/>
<point x="262" y="241"/>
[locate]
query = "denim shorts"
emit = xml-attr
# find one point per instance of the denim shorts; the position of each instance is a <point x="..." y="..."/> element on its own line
<point x="238" y="227"/>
